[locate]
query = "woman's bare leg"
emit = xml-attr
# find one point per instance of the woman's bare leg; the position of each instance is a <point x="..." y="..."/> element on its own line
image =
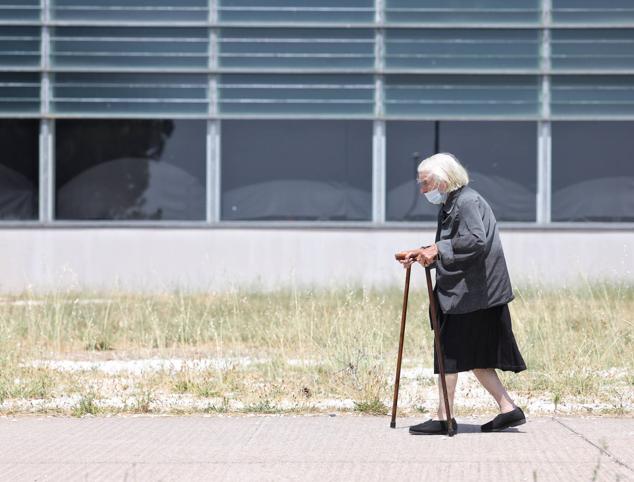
<point x="489" y="379"/>
<point x="452" y="380"/>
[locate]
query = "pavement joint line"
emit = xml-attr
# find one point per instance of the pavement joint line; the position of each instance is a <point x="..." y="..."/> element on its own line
<point x="601" y="449"/>
<point x="257" y="430"/>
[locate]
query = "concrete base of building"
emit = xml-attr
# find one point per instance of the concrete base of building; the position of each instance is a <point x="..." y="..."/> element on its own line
<point x="160" y="259"/>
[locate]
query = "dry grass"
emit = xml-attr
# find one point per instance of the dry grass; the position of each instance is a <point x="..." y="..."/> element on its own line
<point x="303" y="347"/>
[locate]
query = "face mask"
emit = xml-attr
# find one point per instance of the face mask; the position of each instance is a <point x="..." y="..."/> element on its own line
<point x="435" y="196"/>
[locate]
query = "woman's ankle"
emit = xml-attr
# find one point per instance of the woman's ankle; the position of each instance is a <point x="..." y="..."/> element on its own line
<point x="442" y="416"/>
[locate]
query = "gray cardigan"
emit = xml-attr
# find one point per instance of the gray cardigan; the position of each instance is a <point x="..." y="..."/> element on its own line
<point x="471" y="271"/>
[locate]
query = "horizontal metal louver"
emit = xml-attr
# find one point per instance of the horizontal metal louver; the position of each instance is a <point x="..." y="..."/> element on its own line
<point x="446" y="96"/>
<point x="19" y="93"/>
<point x="462" y="11"/>
<point x="130" y="94"/>
<point x="592" y="96"/>
<point x="462" y="49"/>
<point x="258" y="48"/>
<point x="593" y="49"/>
<point x="347" y="95"/>
<point x="130" y="48"/>
<point x="592" y="11"/>
<point x="316" y="57"/>
<point x="131" y="10"/>
<point x="19" y="10"/>
<point x="19" y="47"/>
<point x="300" y="11"/>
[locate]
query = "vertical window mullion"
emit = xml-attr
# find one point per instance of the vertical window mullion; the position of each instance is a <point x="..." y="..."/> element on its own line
<point x="46" y="199"/>
<point x="378" y="134"/>
<point x="213" y="123"/>
<point x="544" y="161"/>
<point x="213" y="171"/>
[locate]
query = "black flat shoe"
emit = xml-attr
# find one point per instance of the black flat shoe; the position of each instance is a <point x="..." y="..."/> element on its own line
<point x="505" y="420"/>
<point x="433" y="427"/>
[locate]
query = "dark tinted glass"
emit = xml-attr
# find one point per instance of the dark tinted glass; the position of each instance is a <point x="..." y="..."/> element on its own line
<point x="19" y="177"/>
<point x="407" y="143"/>
<point x="130" y="169"/>
<point x="501" y="158"/>
<point x="593" y="171"/>
<point x="296" y="170"/>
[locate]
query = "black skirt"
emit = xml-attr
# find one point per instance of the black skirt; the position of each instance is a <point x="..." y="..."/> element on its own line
<point x="480" y="339"/>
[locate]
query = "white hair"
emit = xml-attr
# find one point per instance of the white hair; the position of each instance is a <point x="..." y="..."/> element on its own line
<point x="445" y="167"/>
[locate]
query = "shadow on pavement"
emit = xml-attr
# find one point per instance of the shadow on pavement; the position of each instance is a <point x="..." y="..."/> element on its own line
<point x="467" y="428"/>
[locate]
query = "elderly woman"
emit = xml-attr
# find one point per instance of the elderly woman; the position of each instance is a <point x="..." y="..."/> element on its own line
<point x="472" y="290"/>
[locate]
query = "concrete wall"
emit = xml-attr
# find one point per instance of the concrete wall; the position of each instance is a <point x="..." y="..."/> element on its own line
<point x="149" y="259"/>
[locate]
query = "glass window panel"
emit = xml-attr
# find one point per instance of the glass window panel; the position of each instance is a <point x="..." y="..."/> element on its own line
<point x="501" y="158"/>
<point x="296" y="170"/>
<point x="462" y="11"/>
<point x="19" y="10"/>
<point x="19" y="174"/>
<point x="466" y="49"/>
<point x="592" y="95"/>
<point x="131" y="10"/>
<point x="592" y="11"/>
<point x="297" y="48"/>
<point x="594" y="49"/>
<point x="297" y="94"/>
<point x="130" y="169"/>
<point x="593" y="171"/>
<point x="306" y="11"/>
<point x="130" y="93"/>
<point x="19" y="46"/>
<point x="93" y="47"/>
<point x="407" y="143"/>
<point x="19" y="92"/>
<point x="451" y="95"/>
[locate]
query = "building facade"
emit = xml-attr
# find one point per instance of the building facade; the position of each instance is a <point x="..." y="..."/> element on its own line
<point x="190" y="129"/>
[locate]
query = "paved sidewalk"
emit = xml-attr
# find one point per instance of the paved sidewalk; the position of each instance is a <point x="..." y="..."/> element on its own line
<point x="323" y="448"/>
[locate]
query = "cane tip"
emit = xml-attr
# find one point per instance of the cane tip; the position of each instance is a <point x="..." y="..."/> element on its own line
<point x="392" y="424"/>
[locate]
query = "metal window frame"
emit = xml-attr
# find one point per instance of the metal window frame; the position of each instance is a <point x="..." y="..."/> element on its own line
<point x="544" y="144"/>
<point x="378" y="128"/>
<point x="46" y="198"/>
<point x="213" y="117"/>
<point x="213" y="125"/>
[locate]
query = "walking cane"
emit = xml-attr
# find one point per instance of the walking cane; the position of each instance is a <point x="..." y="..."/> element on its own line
<point x="400" y="347"/>
<point x="439" y="354"/>
<point x="437" y="346"/>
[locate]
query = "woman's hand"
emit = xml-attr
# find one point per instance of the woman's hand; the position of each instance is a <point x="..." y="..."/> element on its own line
<point x="428" y="255"/>
<point x="407" y="258"/>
